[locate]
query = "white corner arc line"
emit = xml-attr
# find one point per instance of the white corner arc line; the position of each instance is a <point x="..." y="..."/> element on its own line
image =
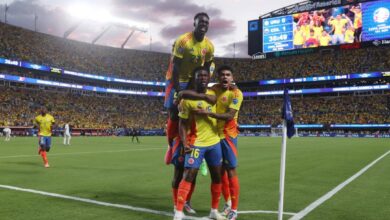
<point x="328" y="195"/>
<point x="56" y="195"/>
<point x="128" y="207"/>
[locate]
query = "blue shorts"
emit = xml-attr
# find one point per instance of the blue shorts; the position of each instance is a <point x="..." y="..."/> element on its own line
<point x="212" y="155"/>
<point x="170" y="93"/>
<point x="45" y="142"/>
<point x="177" y="153"/>
<point x="229" y="152"/>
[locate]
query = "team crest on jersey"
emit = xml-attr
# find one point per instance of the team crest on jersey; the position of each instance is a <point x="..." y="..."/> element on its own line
<point x="235" y="101"/>
<point x="199" y="105"/>
<point x="191" y="160"/>
<point x="209" y="108"/>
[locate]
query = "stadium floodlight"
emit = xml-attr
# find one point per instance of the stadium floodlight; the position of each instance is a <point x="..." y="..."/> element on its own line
<point x="103" y="15"/>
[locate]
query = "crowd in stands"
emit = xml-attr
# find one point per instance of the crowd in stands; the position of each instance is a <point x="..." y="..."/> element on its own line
<point x="320" y="109"/>
<point x="21" y="44"/>
<point x="19" y="106"/>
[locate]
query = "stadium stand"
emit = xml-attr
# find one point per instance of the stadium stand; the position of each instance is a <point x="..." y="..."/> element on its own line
<point x="21" y="44"/>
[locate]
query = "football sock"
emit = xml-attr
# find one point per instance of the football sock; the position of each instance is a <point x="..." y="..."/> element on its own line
<point x="216" y="189"/>
<point x="184" y="189"/>
<point x="234" y="191"/>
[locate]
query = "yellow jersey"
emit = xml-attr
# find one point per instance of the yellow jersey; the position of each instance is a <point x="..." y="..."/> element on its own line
<point x="202" y="130"/>
<point x="338" y="25"/>
<point x="357" y="22"/>
<point x="192" y="53"/>
<point x="298" y="37"/>
<point x="45" y="123"/>
<point x="349" y="36"/>
<point x="324" y="40"/>
<point x="227" y="99"/>
<point x="318" y="31"/>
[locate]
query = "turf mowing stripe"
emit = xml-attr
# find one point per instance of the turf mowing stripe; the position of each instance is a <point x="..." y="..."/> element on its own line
<point x="328" y="195"/>
<point x="91" y="152"/>
<point x="138" y="209"/>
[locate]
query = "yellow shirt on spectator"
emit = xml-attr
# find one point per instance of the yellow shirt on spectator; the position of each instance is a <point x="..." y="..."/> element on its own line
<point x="338" y="25"/>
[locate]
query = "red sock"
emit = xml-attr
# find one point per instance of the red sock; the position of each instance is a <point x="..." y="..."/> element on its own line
<point x="174" y="195"/>
<point x="190" y="192"/>
<point x="225" y="187"/>
<point x="172" y="130"/>
<point x="216" y="189"/>
<point x="182" y="193"/>
<point x="44" y="156"/>
<point x="234" y="191"/>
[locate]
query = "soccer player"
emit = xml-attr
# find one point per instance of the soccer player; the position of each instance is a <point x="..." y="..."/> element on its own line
<point x="45" y="122"/>
<point x="134" y="134"/>
<point x="229" y="99"/>
<point x="190" y="50"/>
<point x="199" y="135"/>
<point x="67" y="135"/>
<point x="7" y="133"/>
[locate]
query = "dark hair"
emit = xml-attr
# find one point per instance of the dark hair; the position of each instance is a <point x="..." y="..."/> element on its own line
<point x="199" y="68"/>
<point x="224" y="67"/>
<point x="201" y="14"/>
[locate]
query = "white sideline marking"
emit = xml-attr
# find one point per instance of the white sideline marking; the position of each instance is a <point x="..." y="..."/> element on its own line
<point x="265" y="212"/>
<point x="138" y="209"/>
<point x="77" y="153"/>
<point x="328" y="195"/>
<point x="133" y="208"/>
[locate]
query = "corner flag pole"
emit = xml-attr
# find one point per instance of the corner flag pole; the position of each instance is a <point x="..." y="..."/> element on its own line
<point x="282" y="170"/>
<point x="288" y="132"/>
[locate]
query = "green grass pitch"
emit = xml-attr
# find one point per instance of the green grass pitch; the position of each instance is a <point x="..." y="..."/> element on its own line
<point x="114" y="170"/>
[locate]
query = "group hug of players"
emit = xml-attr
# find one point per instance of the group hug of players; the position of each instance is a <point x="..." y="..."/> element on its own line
<point x="202" y="123"/>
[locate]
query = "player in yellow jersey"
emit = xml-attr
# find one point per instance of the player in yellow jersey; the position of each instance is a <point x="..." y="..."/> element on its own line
<point x="190" y="50"/>
<point x="199" y="134"/>
<point x="45" y="122"/>
<point x="229" y="100"/>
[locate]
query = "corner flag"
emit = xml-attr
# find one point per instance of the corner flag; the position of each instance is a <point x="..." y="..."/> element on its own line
<point x="288" y="131"/>
<point x="287" y="114"/>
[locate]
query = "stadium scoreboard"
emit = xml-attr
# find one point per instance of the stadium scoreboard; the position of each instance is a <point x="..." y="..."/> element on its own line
<point x="365" y="23"/>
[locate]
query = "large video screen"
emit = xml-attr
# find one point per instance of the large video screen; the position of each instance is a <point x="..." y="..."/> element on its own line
<point x="333" y="26"/>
